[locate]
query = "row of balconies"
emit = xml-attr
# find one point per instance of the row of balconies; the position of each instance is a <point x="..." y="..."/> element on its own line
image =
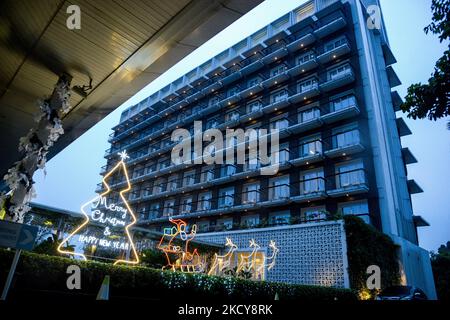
<point x="343" y="184"/>
<point x="342" y="144"/>
<point x="303" y="93"/>
<point x="237" y="71"/>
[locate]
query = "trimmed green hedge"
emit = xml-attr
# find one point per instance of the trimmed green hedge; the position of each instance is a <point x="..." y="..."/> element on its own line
<point x="367" y="246"/>
<point x="42" y="272"/>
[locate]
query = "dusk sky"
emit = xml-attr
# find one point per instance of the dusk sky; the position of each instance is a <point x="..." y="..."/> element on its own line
<point x="73" y="174"/>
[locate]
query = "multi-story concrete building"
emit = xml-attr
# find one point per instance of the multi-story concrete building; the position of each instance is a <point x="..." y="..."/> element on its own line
<point x="321" y="74"/>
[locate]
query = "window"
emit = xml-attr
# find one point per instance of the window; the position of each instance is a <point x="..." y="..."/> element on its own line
<point x="343" y="102"/>
<point x="279" y="96"/>
<point x="202" y="226"/>
<point x="350" y="174"/>
<point x="277" y="70"/>
<point x="146" y="190"/>
<point x="335" y="43"/>
<point x="233" y="91"/>
<point x="359" y="208"/>
<point x="282" y="154"/>
<point x="164" y="163"/>
<point x="225" y="223"/>
<point x="159" y="185"/>
<point x="169" y="208"/>
<point x="314" y="214"/>
<point x="346" y="138"/>
<point x="212" y="102"/>
<point x="212" y="123"/>
<point x="232" y="115"/>
<point x="207" y="174"/>
<point x="138" y="171"/>
<point x="250" y="193"/>
<point x="308" y="114"/>
<point x="254" y="106"/>
<point x="338" y="72"/>
<point x="310" y="146"/>
<point x="227" y="170"/>
<point x="172" y="183"/>
<point x="186" y="205"/>
<point x="154" y="210"/>
<point x="312" y="181"/>
<point x="226" y="197"/>
<point x="305" y="58"/>
<point x="279" y="218"/>
<point x="279" y="188"/>
<point x="150" y="167"/>
<point x="307" y="85"/>
<point x="204" y="201"/>
<point x="189" y="178"/>
<point x="280" y="123"/>
<point x="253" y="82"/>
<point x="250" y="221"/>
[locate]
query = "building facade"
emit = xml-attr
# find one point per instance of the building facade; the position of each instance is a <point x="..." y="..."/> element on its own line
<point x="322" y="75"/>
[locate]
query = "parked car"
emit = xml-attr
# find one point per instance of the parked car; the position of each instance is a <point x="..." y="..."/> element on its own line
<point x="402" y="293"/>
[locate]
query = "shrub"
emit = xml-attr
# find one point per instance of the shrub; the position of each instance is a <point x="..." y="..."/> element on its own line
<point x="42" y="273"/>
<point x="367" y="246"/>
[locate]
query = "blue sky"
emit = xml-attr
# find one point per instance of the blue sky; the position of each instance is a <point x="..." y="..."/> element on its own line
<point x="73" y="174"/>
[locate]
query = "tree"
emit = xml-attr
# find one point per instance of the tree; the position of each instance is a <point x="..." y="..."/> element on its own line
<point x="440" y="262"/>
<point x="431" y="100"/>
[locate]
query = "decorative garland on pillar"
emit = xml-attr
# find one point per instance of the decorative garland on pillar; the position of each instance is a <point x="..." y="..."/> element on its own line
<point x="35" y="147"/>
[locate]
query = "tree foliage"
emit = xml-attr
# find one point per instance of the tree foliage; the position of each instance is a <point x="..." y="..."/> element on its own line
<point x="440" y="263"/>
<point x="431" y="100"/>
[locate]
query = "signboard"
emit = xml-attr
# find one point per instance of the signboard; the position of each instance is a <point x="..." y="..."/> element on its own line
<point x="17" y="235"/>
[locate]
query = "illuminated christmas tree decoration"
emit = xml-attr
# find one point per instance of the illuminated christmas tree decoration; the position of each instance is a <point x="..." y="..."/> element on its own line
<point x="107" y="216"/>
<point x="180" y="257"/>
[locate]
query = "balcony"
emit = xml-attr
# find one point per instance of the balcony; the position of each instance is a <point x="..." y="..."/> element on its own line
<point x="346" y="112"/>
<point x="275" y="79"/>
<point x="301" y="42"/>
<point x="403" y="129"/>
<point x="275" y="54"/>
<point x="334" y="53"/>
<point x="277" y="104"/>
<point x="251" y="64"/>
<point x="344" y="144"/>
<point x="349" y="183"/>
<point x="305" y="93"/>
<point x="303" y="67"/>
<point x="338" y="81"/>
<point x="413" y="187"/>
<point x="309" y="152"/>
<point x="311" y="190"/>
<point x="330" y="28"/>
<point x="306" y="120"/>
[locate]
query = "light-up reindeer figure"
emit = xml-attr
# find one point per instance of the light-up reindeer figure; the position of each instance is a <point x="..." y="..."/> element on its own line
<point x="247" y="262"/>
<point x="190" y="262"/>
<point x="222" y="262"/>
<point x="269" y="262"/>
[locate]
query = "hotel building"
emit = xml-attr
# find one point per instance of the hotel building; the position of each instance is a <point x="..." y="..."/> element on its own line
<point x="323" y="76"/>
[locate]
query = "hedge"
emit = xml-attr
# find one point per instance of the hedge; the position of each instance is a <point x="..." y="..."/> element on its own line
<point x="48" y="273"/>
<point x="367" y="246"/>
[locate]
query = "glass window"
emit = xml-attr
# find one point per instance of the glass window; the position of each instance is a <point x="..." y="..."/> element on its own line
<point x="169" y="208"/>
<point x="346" y="138"/>
<point x="204" y="201"/>
<point x="250" y="221"/>
<point x="310" y="146"/>
<point x="359" y="208"/>
<point x="308" y="114"/>
<point x="305" y="58"/>
<point x="279" y="188"/>
<point x="349" y="174"/>
<point x="202" y="226"/>
<point x="307" y="85"/>
<point x="227" y="170"/>
<point x="186" y="205"/>
<point x="335" y="43"/>
<point x="339" y="71"/>
<point x="254" y="106"/>
<point x="279" y="96"/>
<point x="279" y="218"/>
<point x="250" y="193"/>
<point x="225" y="223"/>
<point x="207" y="174"/>
<point x="277" y="70"/>
<point x="226" y="197"/>
<point x="253" y="82"/>
<point x="188" y="178"/>
<point x="172" y="183"/>
<point x="312" y="181"/>
<point x="343" y="102"/>
<point x="232" y="115"/>
<point x="213" y="101"/>
<point x="154" y="210"/>
<point x="314" y="214"/>
<point x="233" y="91"/>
